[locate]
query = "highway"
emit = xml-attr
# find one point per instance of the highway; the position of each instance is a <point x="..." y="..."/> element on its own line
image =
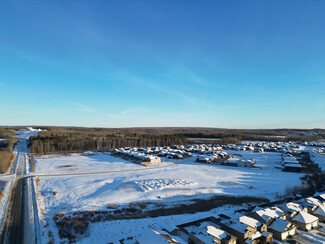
<point x="16" y="226"/>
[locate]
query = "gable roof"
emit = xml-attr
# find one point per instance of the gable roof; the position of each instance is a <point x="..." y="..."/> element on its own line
<point x="273" y="212"/>
<point x="149" y="237"/>
<point x="279" y="225"/>
<point x="314" y="201"/>
<point x="250" y="221"/>
<point x="291" y="207"/>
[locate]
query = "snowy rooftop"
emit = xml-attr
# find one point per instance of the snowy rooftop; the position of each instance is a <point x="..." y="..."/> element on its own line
<point x="305" y="218"/>
<point x="320" y="211"/>
<point x="279" y="225"/>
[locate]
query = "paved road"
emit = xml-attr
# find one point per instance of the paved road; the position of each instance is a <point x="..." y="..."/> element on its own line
<point x="13" y="227"/>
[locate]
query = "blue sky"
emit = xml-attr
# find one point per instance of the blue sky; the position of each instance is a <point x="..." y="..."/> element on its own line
<point x="231" y="64"/>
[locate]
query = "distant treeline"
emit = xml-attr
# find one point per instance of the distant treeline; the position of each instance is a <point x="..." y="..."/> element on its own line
<point x="6" y="148"/>
<point x="84" y="139"/>
<point x="73" y="139"/>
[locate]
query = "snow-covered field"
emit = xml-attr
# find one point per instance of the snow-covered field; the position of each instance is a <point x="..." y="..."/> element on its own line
<point x="185" y="177"/>
<point x="6" y="182"/>
<point x="81" y="163"/>
<point x="319" y="159"/>
<point x="179" y="181"/>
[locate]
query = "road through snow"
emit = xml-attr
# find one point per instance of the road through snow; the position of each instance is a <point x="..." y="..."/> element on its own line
<point x="17" y="227"/>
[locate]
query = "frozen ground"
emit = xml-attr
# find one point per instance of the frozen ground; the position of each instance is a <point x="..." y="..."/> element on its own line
<point x="182" y="181"/>
<point x="319" y="159"/>
<point x="6" y="182"/>
<point x="124" y="229"/>
<point x="183" y="178"/>
<point x="80" y="163"/>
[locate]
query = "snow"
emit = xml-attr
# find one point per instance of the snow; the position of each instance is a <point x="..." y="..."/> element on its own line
<point x="220" y="234"/>
<point x="150" y="237"/>
<point x="291" y="206"/>
<point x="159" y="184"/>
<point x="201" y="232"/>
<point x="279" y="225"/>
<point x="320" y="211"/>
<point x="179" y="182"/>
<point x="314" y="238"/>
<point x="250" y="221"/>
<point x="314" y="201"/>
<point x="96" y="191"/>
<point x="81" y="163"/>
<point x="273" y="212"/>
<point x="318" y="159"/>
<point x="7" y="180"/>
<point x="305" y="218"/>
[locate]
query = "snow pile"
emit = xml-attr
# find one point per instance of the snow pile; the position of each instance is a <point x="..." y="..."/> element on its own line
<point x="158" y="184"/>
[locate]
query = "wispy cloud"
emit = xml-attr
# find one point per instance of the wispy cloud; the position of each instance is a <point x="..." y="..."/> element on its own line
<point x="85" y="108"/>
<point x="130" y="78"/>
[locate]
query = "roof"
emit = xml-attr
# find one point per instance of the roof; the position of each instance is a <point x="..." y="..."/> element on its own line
<point x="305" y="218"/>
<point x="279" y="225"/>
<point x="293" y="165"/>
<point x="314" y="201"/>
<point x="322" y="196"/>
<point x="291" y="206"/>
<point x="240" y="227"/>
<point x="171" y="237"/>
<point x="267" y="213"/>
<point x="266" y="233"/>
<point x="320" y="211"/>
<point x="250" y="221"/>
<point x="150" y="237"/>
<point x="200" y="232"/>
<point x="256" y="235"/>
<point x="220" y="234"/>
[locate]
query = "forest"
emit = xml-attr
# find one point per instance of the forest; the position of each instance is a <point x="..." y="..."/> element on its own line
<point x="6" y="148"/>
<point x="78" y="139"/>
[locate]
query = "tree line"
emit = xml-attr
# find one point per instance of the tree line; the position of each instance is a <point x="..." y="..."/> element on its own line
<point x="78" y="139"/>
<point x="6" y="148"/>
<point x="78" y="143"/>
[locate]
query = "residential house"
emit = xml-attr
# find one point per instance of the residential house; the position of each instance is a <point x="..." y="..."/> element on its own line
<point x="250" y="221"/>
<point x="282" y="229"/>
<point x="320" y="213"/>
<point x="291" y="209"/>
<point x="308" y="204"/>
<point x="239" y="230"/>
<point x="207" y="232"/>
<point x="305" y="221"/>
<point x="153" y="236"/>
<point x="260" y="238"/>
<point x="267" y="215"/>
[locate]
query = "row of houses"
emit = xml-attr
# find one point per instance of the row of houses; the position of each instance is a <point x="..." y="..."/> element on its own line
<point x="138" y="156"/>
<point x="223" y="158"/>
<point x="290" y="163"/>
<point x="214" y="158"/>
<point x="261" y="147"/>
<point x="259" y="225"/>
<point x="173" y="152"/>
<point x="315" y="143"/>
<point x="320" y="150"/>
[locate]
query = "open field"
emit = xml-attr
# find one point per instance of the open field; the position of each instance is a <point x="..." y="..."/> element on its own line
<point x="183" y="182"/>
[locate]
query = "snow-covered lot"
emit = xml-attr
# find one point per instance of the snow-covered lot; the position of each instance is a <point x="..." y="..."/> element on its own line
<point x="81" y="163"/>
<point x="184" y="177"/>
<point x="177" y="182"/>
